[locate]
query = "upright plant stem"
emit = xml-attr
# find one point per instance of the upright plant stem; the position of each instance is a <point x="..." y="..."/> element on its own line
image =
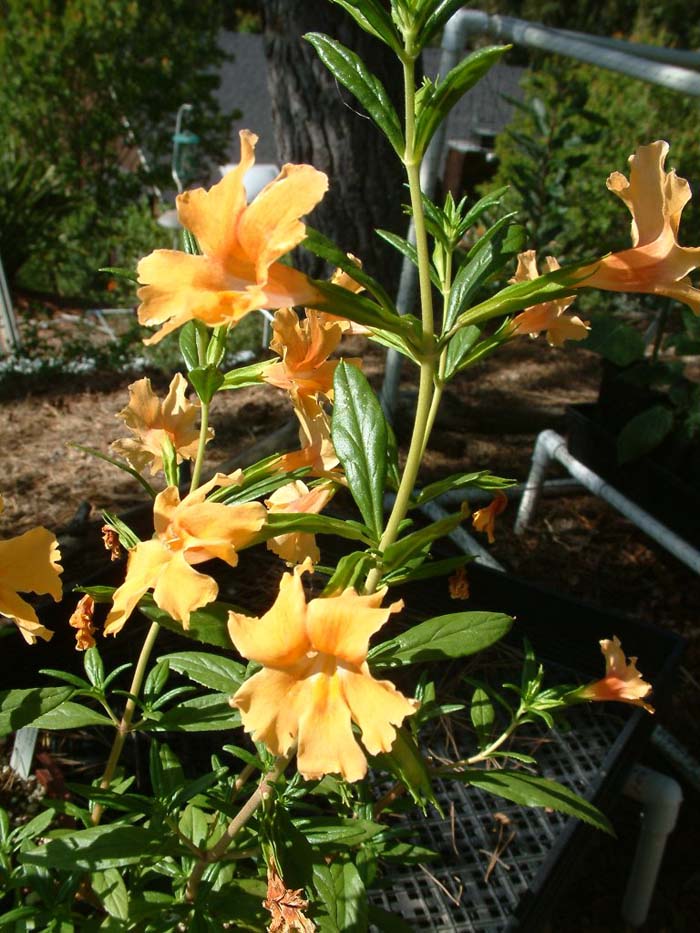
<point x="419" y="436"/>
<point x="124" y="726"/>
<point x="199" y="459"/>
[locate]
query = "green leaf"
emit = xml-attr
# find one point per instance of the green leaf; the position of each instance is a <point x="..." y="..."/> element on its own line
<point x="321" y="246"/>
<point x="450" y="636"/>
<point x="432" y="16"/>
<point x="459" y="346"/>
<point x="483" y="479"/>
<point x="188" y="344"/>
<point x="409" y="251"/>
<point x="251" y="375"/>
<point x="279" y="523"/>
<point x="343" y="895"/>
<point x="353" y="74"/>
<point x="362" y="310"/>
<point x="109" y="886"/>
<point x="120" y="464"/>
<point x="531" y="791"/>
<point x="22" y="707"/>
<point x="336" y="831"/>
<point x="97" y="848"/>
<point x="210" y="670"/>
<point x="121" y="273"/>
<point x="373" y="18"/>
<point x="481" y="712"/>
<point x="442" y="96"/>
<point x="209" y="713"/>
<point x="206" y="381"/>
<point x="397" y="554"/>
<point x="169" y="457"/>
<point x="406" y="762"/>
<point x="166" y="772"/>
<point x="493" y="250"/>
<point x="71" y="715"/>
<point x="426" y="570"/>
<point x="127" y="538"/>
<point x="615" y="340"/>
<point x="643" y="433"/>
<point x="207" y="625"/>
<point x="349" y="569"/>
<point x="359" y="435"/>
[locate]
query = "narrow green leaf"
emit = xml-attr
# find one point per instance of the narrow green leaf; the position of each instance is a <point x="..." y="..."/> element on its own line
<point x="210" y="670"/>
<point x="426" y="570"/>
<point x="359" y="435"/>
<point x="22" y="707"/>
<point x="120" y="464"/>
<point x="449" y="90"/>
<point x="206" y="381"/>
<point x="362" y="310"/>
<point x="397" y="554"/>
<point x="459" y="346"/>
<point x="340" y="888"/>
<point x="481" y="712"/>
<point x="531" y="791"/>
<point x="188" y="344"/>
<point x="94" y="668"/>
<point x="336" y="831"/>
<point x="483" y="479"/>
<point x="321" y="246"/>
<point x="70" y="715"/>
<point x="121" y="273"/>
<point x="127" y="538"/>
<point x="450" y="636"/>
<point x="279" y="523"/>
<point x="353" y="74"/>
<point x="373" y="18"/>
<point x="643" y="433"/>
<point x="432" y="16"/>
<point x="406" y="762"/>
<point x="97" y="848"/>
<point x="109" y="886"/>
<point x="209" y="713"/>
<point x="408" y="250"/>
<point x="207" y="625"/>
<point x="246" y="375"/>
<point x="349" y="569"/>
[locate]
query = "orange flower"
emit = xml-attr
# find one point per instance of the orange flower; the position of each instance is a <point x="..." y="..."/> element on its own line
<point x="315" y="680"/>
<point x="317" y="449"/>
<point x="622" y="682"/>
<point x="82" y="621"/>
<point x="549" y="315"/>
<point x="28" y="564"/>
<point x="187" y="532"/>
<point x="241" y="244"/>
<point x="656" y="264"/>
<point x="155" y="422"/>
<point x="297" y="546"/>
<point x="304" y="347"/>
<point x="485" y="519"/>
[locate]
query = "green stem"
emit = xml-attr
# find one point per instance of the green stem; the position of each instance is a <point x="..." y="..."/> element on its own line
<point x="124" y="726"/>
<point x="199" y="459"/>
<point x="217" y="852"/>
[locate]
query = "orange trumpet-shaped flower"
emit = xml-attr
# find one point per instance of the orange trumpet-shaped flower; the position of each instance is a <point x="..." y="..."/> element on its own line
<point x="317" y="451"/>
<point x="549" y="315"/>
<point x="241" y="244"/>
<point x="656" y="264"/>
<point x="296" y="546"/>
<point x="28" y="564"/>
<point x="485" y="519"/>
<point x="153" y="422"/>
<point x="304" y="347"/>
<point x="187" y="532"/>
<point x="622" y="681"/>
<point x="315" y="680"/>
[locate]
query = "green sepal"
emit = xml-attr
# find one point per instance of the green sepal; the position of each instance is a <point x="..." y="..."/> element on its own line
<point x="190" y="243"/>
<point x="206" y="381"/>
<point x="188" y="341"/>
<point x="216" y="348"/>
<point x="528" y="790"/>
<point x="349" y="69"/>
<point x="360" y="438"/>
<point x="436" y="100"/>
<point x="456" y="635"/>
<point x="482" y="479"/>
<point x="243" y="376"/>
<point x="170" y="467"/>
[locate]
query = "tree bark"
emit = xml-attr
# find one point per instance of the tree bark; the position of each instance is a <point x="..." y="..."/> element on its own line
<point x="317" y="121"/>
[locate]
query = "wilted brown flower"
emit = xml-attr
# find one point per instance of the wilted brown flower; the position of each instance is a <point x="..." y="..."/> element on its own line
<point x="82" y="621"/>
<point x="287" y="907"/>
<point x="111" y="542"/>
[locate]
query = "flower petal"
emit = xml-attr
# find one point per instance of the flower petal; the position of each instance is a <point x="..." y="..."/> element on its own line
<point x="29" y="563"/>
<point x="23" y="615"/>
<point x="270" y="703"/>
<point x="277" y="639"/>
<point x="377" y="707"/>
<point x="145" y="564"/>
<point x="326" y="741"/>
<point x="181" y="590"/>
<point x="343" y="625"/>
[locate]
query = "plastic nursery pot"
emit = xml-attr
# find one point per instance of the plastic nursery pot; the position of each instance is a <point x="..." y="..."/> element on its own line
<point x="500" y="866"/>
<point x="649" y="481"/>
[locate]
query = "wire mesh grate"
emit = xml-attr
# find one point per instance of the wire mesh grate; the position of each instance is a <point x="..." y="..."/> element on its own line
<point x="490" y="851"/>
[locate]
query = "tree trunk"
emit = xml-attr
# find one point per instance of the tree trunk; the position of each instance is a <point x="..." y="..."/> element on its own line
<point x="320" y="123"/>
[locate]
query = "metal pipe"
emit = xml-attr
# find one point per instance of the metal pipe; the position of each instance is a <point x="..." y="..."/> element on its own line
<point x="552" y="446"/>
<point x="550" y="487"/>
<point x="685" y="58"/>
<point x="661" y="797"/>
